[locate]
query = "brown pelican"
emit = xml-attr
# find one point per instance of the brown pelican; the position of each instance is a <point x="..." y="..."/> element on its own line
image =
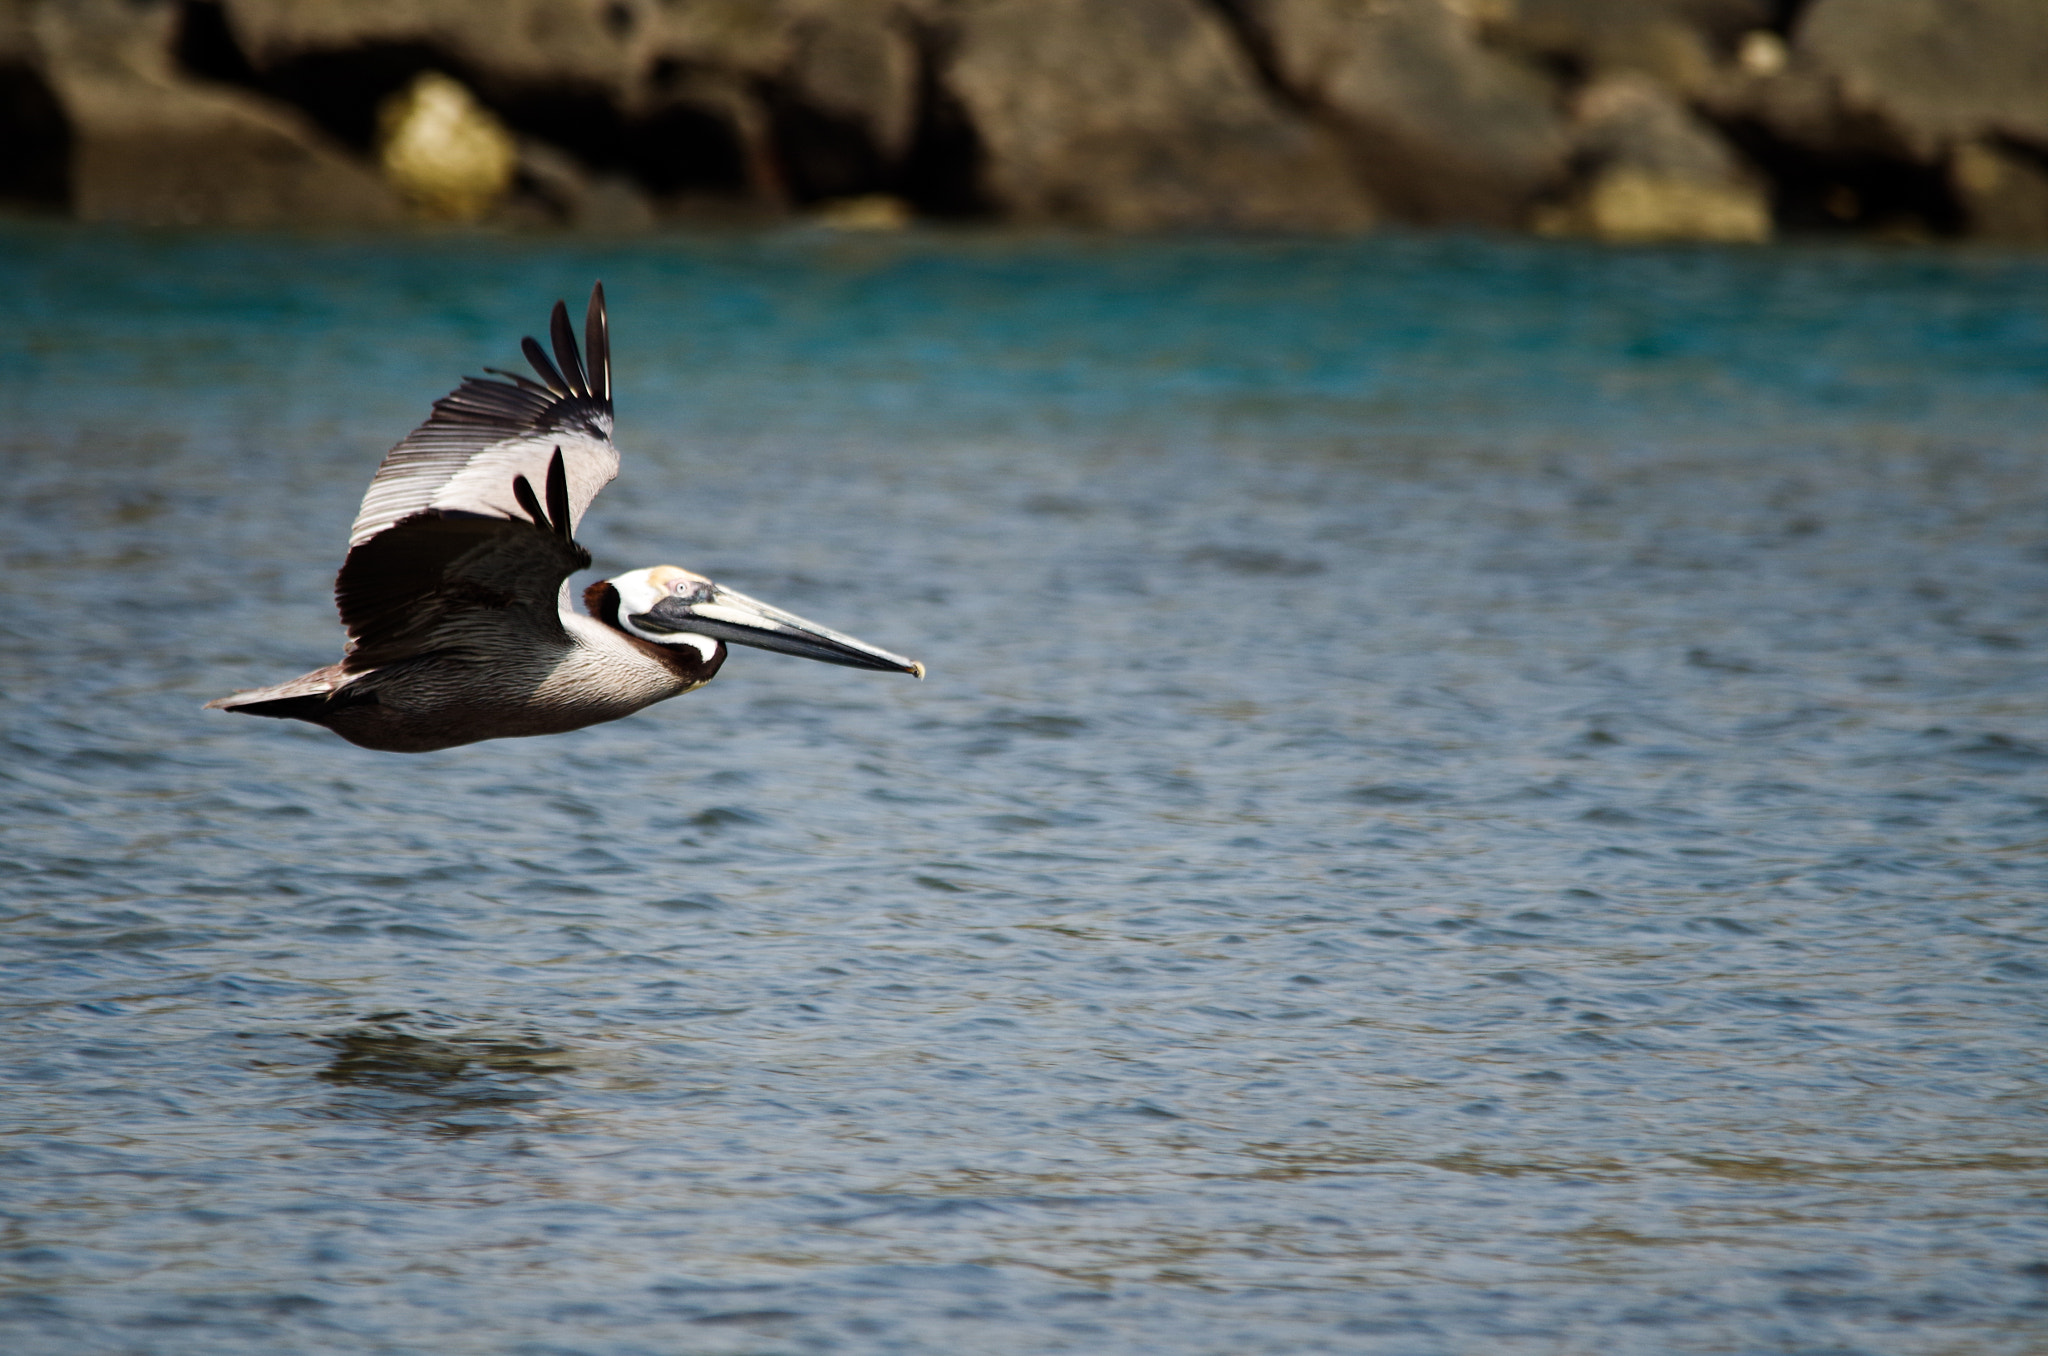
<point x="455" y="590"/>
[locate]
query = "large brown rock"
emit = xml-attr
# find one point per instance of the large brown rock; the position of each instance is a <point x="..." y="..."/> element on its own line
<point x="150" y="145"/>
<point x="17" y="31"/>
<point x="1139" y="114"/>
<point x="1652" y="170"/>
<point x="1679" y="43"/>
<point x="1441" y="128"/>
<point x="855" y="59"/>
<point x="2003" y="195"/>
<point x="533" y="42"/>
<point x="820" y="96"/>
<point x="1940" y="73"/>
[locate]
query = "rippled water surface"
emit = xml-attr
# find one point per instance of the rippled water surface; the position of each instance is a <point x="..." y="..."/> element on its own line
<point x="1472" y="796"/>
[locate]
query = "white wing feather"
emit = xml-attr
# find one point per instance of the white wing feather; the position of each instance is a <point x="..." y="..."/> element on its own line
<point x="484" y="435"/>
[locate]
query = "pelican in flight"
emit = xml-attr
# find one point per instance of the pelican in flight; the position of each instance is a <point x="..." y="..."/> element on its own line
<point x="455" y="590"/>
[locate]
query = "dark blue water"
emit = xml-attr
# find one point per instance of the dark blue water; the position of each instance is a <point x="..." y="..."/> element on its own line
<point x="1472" y="796"/>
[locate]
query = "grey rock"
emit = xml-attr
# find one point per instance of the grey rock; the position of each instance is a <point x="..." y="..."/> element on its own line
<point x="1680" y="43"/>
<point x="151" y="145"/>
<point x="1441" y="128"/>
<point x="1651" y="169"/>
<point x="857" y="61"/>
<point x="1139" y="114"/>
<point x="2003" y="193"/>
<point x="512" y="42"/>
<point x="1940" y="73"/>
<point x="17" y="32"/>
<point x="606" y="204"/>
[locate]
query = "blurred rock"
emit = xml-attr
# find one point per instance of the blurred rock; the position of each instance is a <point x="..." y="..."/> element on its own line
<point x="1628" y="205"/>
<point x="1799" y="106"/>
<point x="2003" y="192"/>
<point x="35" y="166"/>
<point x="1140" y="115"/>
<point x="606" y="203"/>
<point x="532" y="42"/>
<point x="857" y="61"/>
<point x="1652" y="170"/>
<point x="1679" y="43"/>
<point x="17" y="31"/>
<point x="1859" y="124"/>
<point x="1940" y="73"/>
<point x="444" y="151"/>
<point x="842" y="99"/>
<point x="869" y="212"/>
<point x="1441" y="128"/>
<point x="1762" y="53"/>
<point x="1900" y="116"/>
<point x="151" y="145"/>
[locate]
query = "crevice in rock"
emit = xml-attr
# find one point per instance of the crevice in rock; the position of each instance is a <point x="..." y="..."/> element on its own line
<point x="1785" y="14"/>
<point x="2032" y="152"/>
<point x="1841" y="191"/>
<point x="682" y="149"/>
<point x="341" y="90"/>
<point x="338" y="90"/>
<point x="205" y="46"/>
<point x="941" y="174"/>
<point x="36" y="171"/>
<point x="582" y="121"/>
<point x="820" y="154"/>
<point x="1257" y="46"/>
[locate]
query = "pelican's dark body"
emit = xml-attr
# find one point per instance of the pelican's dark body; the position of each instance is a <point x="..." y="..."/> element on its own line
<point x="507" y="687"/>
<point x="454" y="592"/>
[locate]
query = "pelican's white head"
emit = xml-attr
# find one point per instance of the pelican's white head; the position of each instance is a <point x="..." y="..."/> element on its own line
<point x="671" y="606"/>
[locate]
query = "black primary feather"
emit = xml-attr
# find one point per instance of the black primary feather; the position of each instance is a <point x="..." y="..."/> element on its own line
<point x="539" y="358"/>
<point x="597" y="341"/>
<point x="566" y="356"/>
<point x="522" y="490"/>
<point x="487" y="417"/>
<point x="558" y="495"/>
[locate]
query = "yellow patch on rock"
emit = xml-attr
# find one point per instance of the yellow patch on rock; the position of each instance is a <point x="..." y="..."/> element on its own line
<point x="1633" y="205"/>
<point x="443" y="150"/>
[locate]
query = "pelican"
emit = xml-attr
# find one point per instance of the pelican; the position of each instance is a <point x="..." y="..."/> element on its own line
<point x="455" y="590"/>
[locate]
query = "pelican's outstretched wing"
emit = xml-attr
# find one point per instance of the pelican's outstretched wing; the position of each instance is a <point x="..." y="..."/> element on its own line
<point x="485" y="433"/>
<point x="468" y="529"/>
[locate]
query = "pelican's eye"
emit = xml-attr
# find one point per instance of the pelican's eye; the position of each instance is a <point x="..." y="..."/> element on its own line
<point x="693" y="590"/>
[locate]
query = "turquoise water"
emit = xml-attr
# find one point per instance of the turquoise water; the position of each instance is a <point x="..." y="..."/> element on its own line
<point x="1472" y="795"/>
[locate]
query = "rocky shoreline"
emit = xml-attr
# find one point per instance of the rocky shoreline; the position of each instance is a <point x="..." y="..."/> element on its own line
<point x="1729" y="120"/>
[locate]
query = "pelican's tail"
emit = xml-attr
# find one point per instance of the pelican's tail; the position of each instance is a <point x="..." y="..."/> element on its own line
<point x="300" y="699"/>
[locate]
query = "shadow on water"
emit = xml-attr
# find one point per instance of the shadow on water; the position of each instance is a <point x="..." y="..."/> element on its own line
<point x="447" y="1084"/>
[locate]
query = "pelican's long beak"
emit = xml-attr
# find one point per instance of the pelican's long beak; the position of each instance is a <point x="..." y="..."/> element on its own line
<point x="712" y="610"/>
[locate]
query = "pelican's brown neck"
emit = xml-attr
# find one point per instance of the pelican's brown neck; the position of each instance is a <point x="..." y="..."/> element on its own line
<point x="685" y="661"/>
<point x="601" y="600"/>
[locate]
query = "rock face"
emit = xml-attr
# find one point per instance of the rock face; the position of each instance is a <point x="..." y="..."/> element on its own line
<point x="1138" y="114"/>
<point x="536" y="42"/>
<point x="1939" y="72"/>
<point x="1681" y="44"/>
<point x="35" y="139"/>
<point x="2004" y="194"/>
<point x="150" y="145"/>
<point x="1652" y="170"/>
<point x="1440" y="128"/>
<point x="1618" y="119"/>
